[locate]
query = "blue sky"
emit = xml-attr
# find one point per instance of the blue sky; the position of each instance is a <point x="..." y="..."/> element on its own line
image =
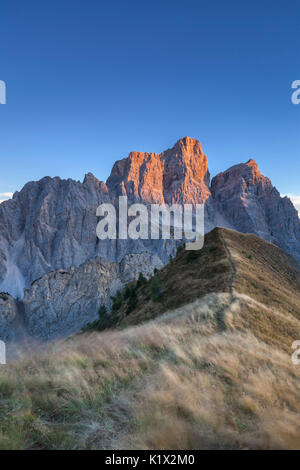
<point x="89" y="81"/>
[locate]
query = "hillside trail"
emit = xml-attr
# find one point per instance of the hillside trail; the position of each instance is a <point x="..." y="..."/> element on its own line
<point x="222" y="313"/>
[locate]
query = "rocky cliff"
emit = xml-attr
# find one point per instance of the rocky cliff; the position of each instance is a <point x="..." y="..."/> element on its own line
<point x="63" y="301"/>
<point x="251" y="204"/>
<point x="178" y="175"/>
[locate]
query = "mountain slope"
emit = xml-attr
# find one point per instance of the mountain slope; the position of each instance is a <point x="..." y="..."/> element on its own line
<point x="231" y="263"/>
<point x="215" y="372"/>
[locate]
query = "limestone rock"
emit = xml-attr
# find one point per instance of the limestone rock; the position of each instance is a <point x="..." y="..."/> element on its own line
<point x="62" y="302"/>
<point x="178" y="175"/>
<point x="250" y="203"/>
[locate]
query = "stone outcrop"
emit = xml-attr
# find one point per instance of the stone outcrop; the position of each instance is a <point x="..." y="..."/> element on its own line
<point x="250" y="203"/>
<point x="62" y="302"/>
<point x="48" y="225"/>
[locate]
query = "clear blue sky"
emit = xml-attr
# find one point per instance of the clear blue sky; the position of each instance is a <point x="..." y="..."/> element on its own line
<point x="88" y="81"/>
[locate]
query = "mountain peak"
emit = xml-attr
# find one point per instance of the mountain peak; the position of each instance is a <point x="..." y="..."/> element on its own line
<point x="187" y="140"/>
<point x="252" y="164"/>
<point x="188" y="145"/>
<point x="89" y="177"/>
<point x="179" y="174"/>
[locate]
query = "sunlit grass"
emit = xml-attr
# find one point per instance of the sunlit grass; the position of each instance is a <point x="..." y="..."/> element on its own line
<point x="173" y="383"/>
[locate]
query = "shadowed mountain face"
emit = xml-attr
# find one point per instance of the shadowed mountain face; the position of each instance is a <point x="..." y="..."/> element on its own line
<point x="251" y="204"/>
<point x="51" y="224"/>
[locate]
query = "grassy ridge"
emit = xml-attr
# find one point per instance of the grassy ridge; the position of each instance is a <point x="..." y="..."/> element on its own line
<point x="176" y="381"/>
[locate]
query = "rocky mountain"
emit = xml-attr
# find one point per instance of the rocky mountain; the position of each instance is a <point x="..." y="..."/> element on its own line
<point x="178" y="175"/>
<point x="48" y="229"/>
<point x="251" y="204"/>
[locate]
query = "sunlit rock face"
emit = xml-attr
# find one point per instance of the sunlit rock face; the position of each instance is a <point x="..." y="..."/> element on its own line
<point x="178" y="175"/>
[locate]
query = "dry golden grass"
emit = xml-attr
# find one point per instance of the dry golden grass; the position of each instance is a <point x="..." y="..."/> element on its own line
<point x="215" y="373"/>
<point x="264" y="272"/>
<point x="229" y="390"/>
<point x="173" y="383"/>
